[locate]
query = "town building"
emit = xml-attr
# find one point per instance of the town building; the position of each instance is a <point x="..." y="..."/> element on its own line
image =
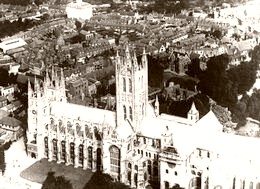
<point x="79" y="10"/>
<point x="136" y="144"/>
<point x="11" y="129"/>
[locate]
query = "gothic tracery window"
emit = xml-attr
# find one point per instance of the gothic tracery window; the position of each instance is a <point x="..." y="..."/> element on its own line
<point x="124" y="84"/>
<point x="130" y="85"/>
<point x="72" y="152"/>
<point x="55" y="149"/>
<point x="81" y="155"/>
<point x="63" y="150"/>
<point x="88" y="132"/>
<point x="78" y="130"/>
<point x="114" y="159"/>
<point x="61" y="127"/>
<point x="131" y="113"/>
<point x="90" y="157"/>
<point x="46" y="147"/>
<point x="124" y="109"/>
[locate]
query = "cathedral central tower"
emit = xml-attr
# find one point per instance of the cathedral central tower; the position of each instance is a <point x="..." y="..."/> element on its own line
<point x="131" y="88"/>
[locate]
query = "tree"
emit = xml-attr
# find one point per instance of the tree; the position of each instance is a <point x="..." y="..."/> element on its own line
<point x="59" y="182"/>
<point x="176" y="186"/>
<point x="78" y="25"/>
<point x="2" y="159"/>
<point x="100" y="180"/>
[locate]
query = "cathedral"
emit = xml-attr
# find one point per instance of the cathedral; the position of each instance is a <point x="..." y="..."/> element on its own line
<point x="136" y="144"/>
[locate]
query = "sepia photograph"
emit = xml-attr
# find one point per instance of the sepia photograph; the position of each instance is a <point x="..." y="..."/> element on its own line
<point x="129" y="94"/>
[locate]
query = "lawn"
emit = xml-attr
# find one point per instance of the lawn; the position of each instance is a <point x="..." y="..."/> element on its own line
<point x="39" y="170"/>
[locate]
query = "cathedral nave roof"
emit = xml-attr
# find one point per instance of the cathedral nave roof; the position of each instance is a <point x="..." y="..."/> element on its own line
<point x="84" y="113"/>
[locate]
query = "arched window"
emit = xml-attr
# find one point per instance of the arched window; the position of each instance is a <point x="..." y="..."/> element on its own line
<point x="129" y="165"/>
<point x="46" y="147"/>
<point x="145" y="176"/>
<point x="81" y="155"/>
<point x="52" y="121"/>
<point x="63" y="150"/>
<point x="55" y="149"/>
<point x="135" y="179"/>
<point x="124" y="84"/>
<point x="130" y="85"/>
<point x="136" y="168"/>
<point x="97" y="134"/>
<point x="72" y="152"/>
<point x="131" y="113"/>
<point x="99" y="159"/>
<point x="251" y="186"/>
<point x="129" y="177"/>
<point x="88" y="133"/>
<point x="258" y="185"/>
<point x="90" y="157"/>
<point x="166" y="185"/>
<point x="124" y="108"/>
<point x="61" y="127"/>
<point x="149" y="167"/>
<point x="115" y="159"/>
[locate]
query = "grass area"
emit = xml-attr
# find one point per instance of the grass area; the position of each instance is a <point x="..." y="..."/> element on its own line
<point x="39" y="170"/>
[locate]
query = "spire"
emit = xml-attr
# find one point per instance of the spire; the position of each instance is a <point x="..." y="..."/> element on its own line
<point x="47" y="78"/>
<point x="62" y="78"/>
<point x="52" y="73"/>
<point x="30" y="91"/>
<point x="193" y="108"/>
<point x="156" y="107"/>
<point x="117" y="53"/>
<point x="144" y="57"/>
<point x="61" y="74"/>
<point x="135" y="63"/>
<point x="193" y="114"/>
<point x="127" y="52"/>
<point x="36" y="84"/>
<point x="56" y="78"/>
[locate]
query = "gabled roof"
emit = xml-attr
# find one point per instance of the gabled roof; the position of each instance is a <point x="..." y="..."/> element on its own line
<point x="209" y="123"/>
<point x="10" y="121"/>
<point x="88" y="114"/>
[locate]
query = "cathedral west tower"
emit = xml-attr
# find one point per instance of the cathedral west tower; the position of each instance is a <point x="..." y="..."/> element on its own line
<point x="131" y="89"/>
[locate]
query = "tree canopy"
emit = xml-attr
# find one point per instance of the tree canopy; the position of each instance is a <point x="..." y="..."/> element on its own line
<point x="224" y="85"/>
<point x="59" y="182"/>
<point x="100" y="180"/>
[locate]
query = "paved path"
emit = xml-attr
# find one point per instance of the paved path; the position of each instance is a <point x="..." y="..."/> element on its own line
<point x="16" y="161"/>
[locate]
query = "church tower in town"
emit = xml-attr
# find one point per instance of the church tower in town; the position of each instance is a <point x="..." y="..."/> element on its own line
<point x="131" y="88"/>
<point x="39" y="102"/>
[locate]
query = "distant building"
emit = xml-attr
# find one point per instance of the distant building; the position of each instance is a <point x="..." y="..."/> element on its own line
<point x="12" y="127"/>
<point x="12" y="45"/>
<point x="79" y="10"/>
<point x="5" y="91"/>
<point x="3" y="101"/>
